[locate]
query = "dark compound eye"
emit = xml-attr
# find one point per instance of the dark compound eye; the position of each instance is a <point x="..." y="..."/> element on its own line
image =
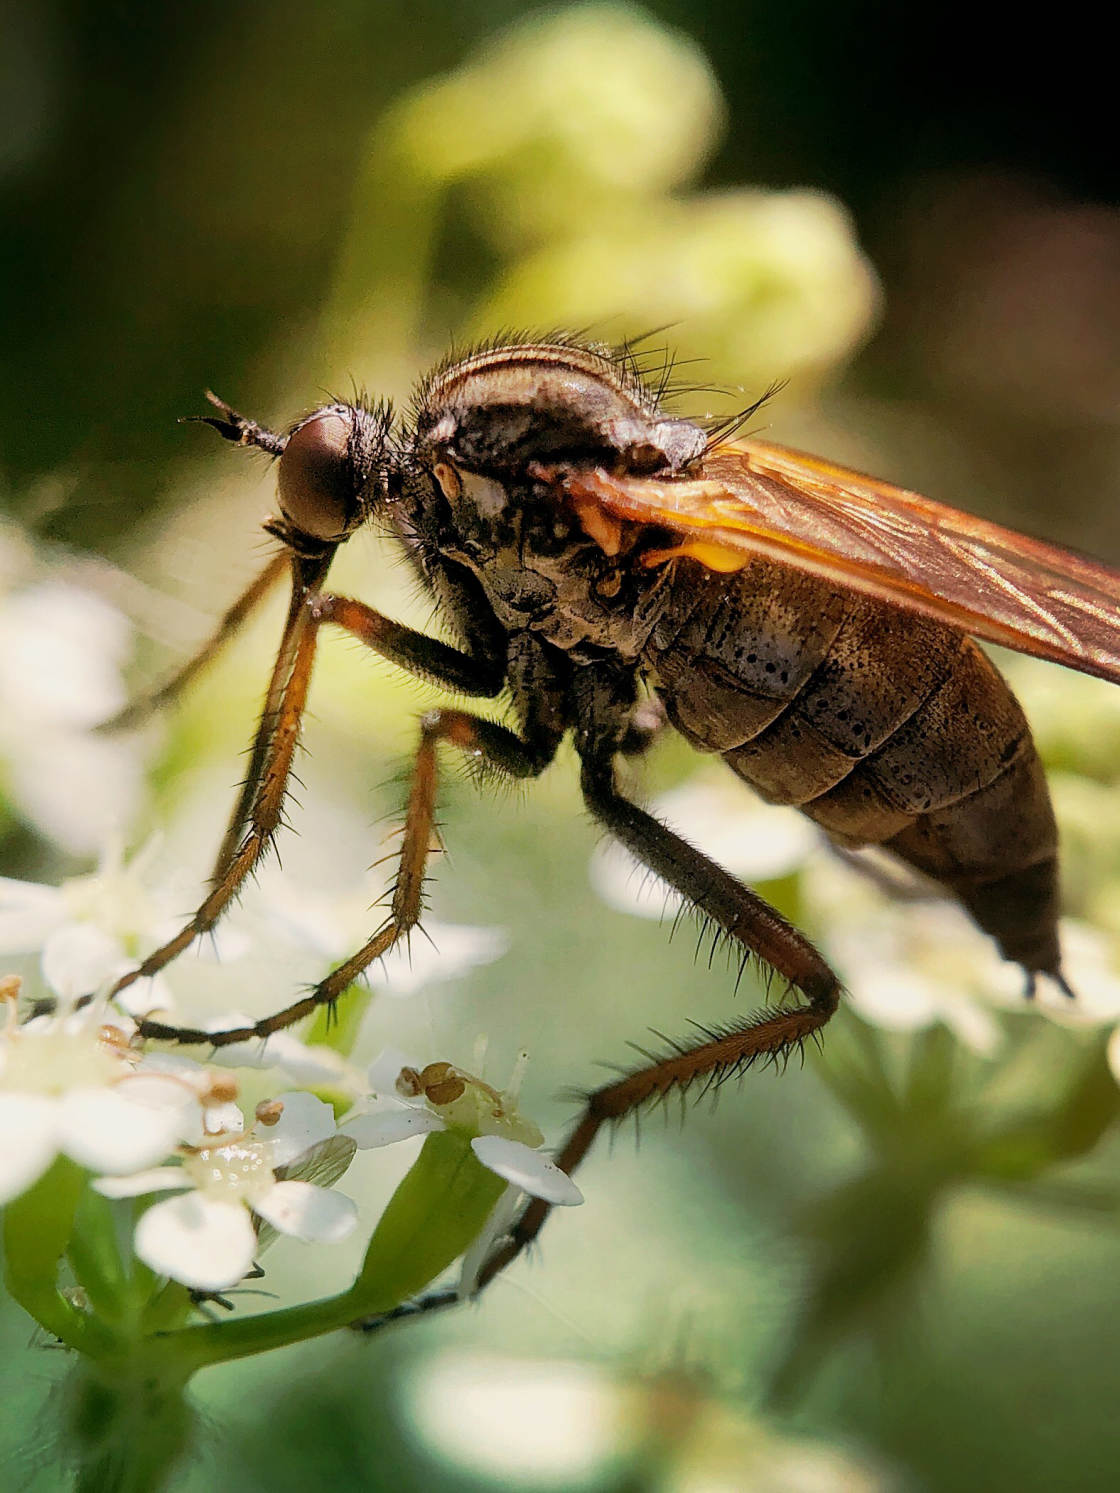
<point x="316" y="477"/>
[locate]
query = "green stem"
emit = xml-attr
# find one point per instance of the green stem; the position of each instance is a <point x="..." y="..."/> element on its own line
<point x="95" y="1258"/>
<point x="435" y="1214"/>
<point x="127" y="1423"/>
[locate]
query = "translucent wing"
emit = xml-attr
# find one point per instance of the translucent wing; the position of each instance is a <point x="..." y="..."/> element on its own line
<point x="867" y="535"/>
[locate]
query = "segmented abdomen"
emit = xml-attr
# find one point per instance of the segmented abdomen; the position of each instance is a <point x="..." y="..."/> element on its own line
<point x="884" y="727"/>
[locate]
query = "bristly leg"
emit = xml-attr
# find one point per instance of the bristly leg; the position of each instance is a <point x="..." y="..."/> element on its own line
<point x="742" y="916"/>
<point x="268" y="783"/>
<point x="509" y="753"/>
<point x="307" y="576"/>
<point x="164" y="694"/>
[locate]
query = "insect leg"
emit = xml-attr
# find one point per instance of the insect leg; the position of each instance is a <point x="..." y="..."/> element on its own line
<point x="270" y="786"/>
<point x="501" y="748"/>
<point x="138" y="710"/>
<point x="262" y="796"/>
<point x="258" y="752"/>
<point x="747" y="919"/>
<point x="468" y="673"/>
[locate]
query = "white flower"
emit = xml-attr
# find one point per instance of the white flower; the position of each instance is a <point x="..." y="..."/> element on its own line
<point x="527" y="1423"/>
<point x="90" y="929"/>
<point x="61" y="651"/>
<point x="306" y="1063"/>
<point x="206" y="1238"/>
<point x="70" y="1084"/>
<point x="416" y="1100"/>
<point x="907" y="964"/>
<point x="333" y="926"/>
<point x="721" y="817"/>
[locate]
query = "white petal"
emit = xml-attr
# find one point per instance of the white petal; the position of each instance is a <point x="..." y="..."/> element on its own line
<point x="496" y="1227"/>
<point x="313" y="1064"/>
<point x="757" y="841"/>
<point x="385" y="1069"/>
<point x="223" y="1119"/>
<point x="64" y="647"/>
<point x="974" y="1025"/>
<point x="315" y="1214"/>
<point x="104" y="1130"/>
<point x="385" y="1126"/>
<point x="622" y="882"/>
<point x="1088" y="964"/>
<point x="29" y="913"/>
<point x="28" y="1140"/>
<point x="308" y="1065"/>
<point x="156" y="1179"/>
<point x="78" y="958"/>
<point x="224" y="944"/>
<point x="528" y="1169"/>
<point x="303" y="1123"/>
<point x="144" y="997"/>
<point x="448" y="951"/>
<point x="78" y="789"/>
<point x="310" y="920"/>
<point x="162" y="1092"/>
<point x="896" y="999"/>
<point x="204" y="1242"/>
<point x="177" y="1065"/>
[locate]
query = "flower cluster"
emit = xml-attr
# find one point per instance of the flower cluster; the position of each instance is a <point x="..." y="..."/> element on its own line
<point x="207" y="1237"/>
<point x="73" y="1085"/>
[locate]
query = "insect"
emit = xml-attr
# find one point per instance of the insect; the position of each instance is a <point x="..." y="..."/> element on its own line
<point x="812" y="626"/>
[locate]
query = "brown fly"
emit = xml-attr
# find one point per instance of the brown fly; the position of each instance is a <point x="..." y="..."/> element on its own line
<point x="811" y="625"/>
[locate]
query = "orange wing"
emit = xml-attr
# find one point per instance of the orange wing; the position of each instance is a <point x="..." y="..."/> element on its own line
<point x="867" y="535"/>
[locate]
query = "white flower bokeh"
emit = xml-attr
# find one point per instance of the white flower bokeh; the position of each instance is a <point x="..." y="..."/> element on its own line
<point x="906" y="960"/>
<point x="62" y="651"/>
<point x="718" y="815"/>
<point x="90" y="929"/>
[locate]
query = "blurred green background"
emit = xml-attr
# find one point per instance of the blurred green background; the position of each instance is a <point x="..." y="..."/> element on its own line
<point x="815" y="1285"/>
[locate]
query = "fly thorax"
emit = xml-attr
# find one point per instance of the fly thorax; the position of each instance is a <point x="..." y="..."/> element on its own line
<point x="490" y="428"/>
<point x="538" y="566"/>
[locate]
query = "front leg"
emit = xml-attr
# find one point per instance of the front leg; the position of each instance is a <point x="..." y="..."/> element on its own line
<point x="270" y="766"/>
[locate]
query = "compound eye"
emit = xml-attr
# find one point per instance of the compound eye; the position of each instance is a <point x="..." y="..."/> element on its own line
<point x="315" y="481"/>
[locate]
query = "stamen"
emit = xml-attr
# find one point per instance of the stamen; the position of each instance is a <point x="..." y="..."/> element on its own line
<point x="268" y="1111"/>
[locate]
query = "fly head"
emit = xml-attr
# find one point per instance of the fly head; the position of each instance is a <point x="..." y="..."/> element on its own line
<point x="337" y="467"/>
